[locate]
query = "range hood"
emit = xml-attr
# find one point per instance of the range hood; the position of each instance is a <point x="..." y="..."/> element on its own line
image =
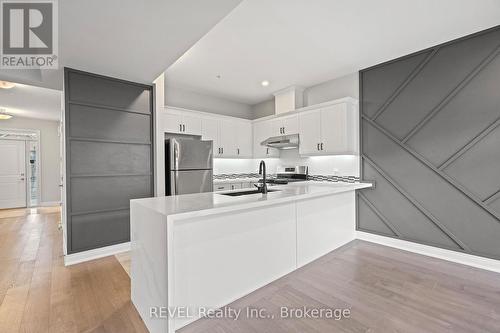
<point x="282" y="142"/>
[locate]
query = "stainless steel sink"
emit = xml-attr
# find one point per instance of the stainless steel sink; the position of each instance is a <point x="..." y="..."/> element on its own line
<point x="237" y="194"/>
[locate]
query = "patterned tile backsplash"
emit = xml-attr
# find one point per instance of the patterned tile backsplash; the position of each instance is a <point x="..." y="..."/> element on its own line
<point x="235" y="175"/>
<point x="323" y="178"/>
<point x="320" y="178"/>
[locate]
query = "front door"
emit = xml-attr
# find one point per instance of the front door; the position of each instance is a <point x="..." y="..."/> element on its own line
<point x="12" y="174"/>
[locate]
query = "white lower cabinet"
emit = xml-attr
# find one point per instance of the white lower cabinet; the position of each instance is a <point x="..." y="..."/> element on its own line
<point x="222" y="187"/>
<point x="324" y="224"/>
<point x="232" y="186"/>
<point x="219" y="258"/>
<point x="247" y="185"/>
<point x="236" y="186"/>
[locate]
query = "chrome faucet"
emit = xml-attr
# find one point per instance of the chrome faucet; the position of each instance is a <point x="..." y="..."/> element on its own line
<point x="262" y="171"/>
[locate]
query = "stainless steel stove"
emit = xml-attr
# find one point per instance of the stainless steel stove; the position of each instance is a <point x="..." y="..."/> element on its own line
<point x="286" y="174"/>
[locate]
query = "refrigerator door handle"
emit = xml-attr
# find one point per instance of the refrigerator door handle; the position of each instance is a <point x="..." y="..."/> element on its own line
<point x="173" y="183"/>
<point x="175" y="143"/>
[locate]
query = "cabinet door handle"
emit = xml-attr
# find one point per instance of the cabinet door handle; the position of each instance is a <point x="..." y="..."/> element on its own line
<point x="238" y="151"/>
<point x="180" y="127"/>
<point x="283" y="130"/>
<point x="321" y="145"/>
<point x="317" y="147"/>
<point x="222" y="149"/>
<point x="267" y="151"/>
<point x="184" y="128"/>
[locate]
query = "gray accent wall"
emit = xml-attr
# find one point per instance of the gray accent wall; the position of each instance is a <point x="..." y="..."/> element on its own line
<point x="430" y="139"/>
<point x="109" y="156"/>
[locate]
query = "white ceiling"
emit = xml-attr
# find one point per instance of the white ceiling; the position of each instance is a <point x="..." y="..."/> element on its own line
<point x="305" y="42"/>
<point x="130" y="39"/>
<point x="32" y="102"/>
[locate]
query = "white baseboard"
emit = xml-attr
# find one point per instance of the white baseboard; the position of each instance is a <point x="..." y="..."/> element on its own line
<point x="431" y="251"/>
<point x="76" y="258"/>
<point x="49" y="203"/>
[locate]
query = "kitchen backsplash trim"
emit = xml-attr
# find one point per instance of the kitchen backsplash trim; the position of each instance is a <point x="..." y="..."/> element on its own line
<point x="320" y="178"/>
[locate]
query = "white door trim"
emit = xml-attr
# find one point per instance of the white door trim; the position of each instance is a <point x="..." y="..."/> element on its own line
<point x="15" y="179"/>
<point x="20" y="134"/>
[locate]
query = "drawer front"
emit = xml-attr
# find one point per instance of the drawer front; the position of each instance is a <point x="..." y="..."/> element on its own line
<point x="221" y="187"/>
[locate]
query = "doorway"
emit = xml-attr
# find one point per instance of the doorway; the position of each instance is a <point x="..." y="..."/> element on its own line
<point x="20" y="168"/>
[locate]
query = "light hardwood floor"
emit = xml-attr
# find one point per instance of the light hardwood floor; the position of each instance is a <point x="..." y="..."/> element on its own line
<point x="386" y="290"/>
<point x="39" y="294"/>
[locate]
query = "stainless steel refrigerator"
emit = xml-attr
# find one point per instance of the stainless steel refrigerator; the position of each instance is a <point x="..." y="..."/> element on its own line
<point x="188" y="166"/>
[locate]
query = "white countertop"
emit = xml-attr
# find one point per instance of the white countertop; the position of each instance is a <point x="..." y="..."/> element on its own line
<point x="202" y="204"/>
<point x="236" y="180"/>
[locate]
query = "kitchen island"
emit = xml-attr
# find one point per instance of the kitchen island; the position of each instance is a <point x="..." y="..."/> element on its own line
<point x="202" y="251"/>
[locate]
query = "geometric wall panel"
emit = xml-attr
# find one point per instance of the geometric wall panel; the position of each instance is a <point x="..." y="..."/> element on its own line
<point x="370" y="220"/>
<point x="384" y="82"/>
<point x="458" y="122"/>
<point x="432" y="145"/>
<point x="445" y="70"/>
<point x="109" y="156"/>
<point x="412" y="223"/>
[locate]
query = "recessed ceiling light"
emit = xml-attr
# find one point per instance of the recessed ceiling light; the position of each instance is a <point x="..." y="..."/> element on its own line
<point x="4" y="115"/>
<point x="7" y="85"/>
<point x="265" y="83"/>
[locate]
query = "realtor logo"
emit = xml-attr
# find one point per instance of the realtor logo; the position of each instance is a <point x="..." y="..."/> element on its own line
<point x="29" y="34"/>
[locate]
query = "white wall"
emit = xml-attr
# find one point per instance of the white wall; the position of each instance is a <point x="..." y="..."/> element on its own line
<point x="344" y="165"/>
<point x="345" y="86"/>
<point x="263" y="109"/>
<point x="49" y="150"/>
<point x="187" y="99"/>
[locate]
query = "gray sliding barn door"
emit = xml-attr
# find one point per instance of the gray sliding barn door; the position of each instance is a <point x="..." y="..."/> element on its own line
<point x="109" y="156"/>
<point x="430" y="138"/>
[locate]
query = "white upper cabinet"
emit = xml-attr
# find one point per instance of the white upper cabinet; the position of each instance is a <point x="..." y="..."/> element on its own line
<point x="261" y="131"/>
<point x="176" y="122"/>
<point x="329" y="130"/>
<point x="191" y="125"/>
<point x="210" y="131"/>
<point x="310" y="132"/>
<point x="231" y="137"/>
<point x="244" y="139"/>
<point x="285" y="125"/>
<point x="227" y="138"/>
<point x="337" y="130"/>
<point x="171" y="123"/>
